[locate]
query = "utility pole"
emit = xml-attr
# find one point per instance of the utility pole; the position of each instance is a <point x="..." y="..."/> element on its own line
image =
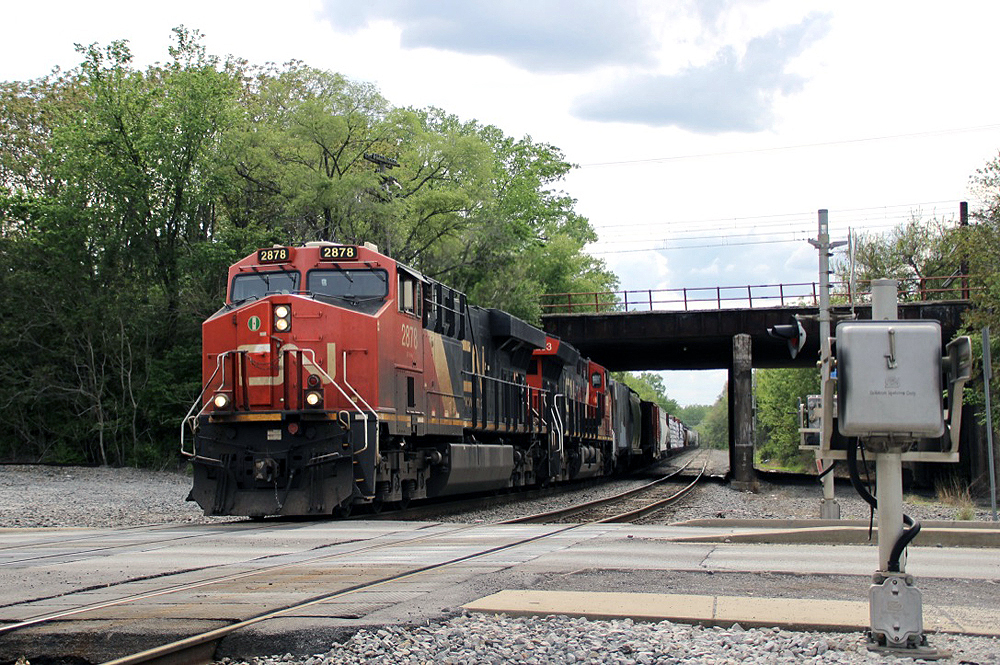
<point x="829" y="508"/>
<point x="384" y="164"/>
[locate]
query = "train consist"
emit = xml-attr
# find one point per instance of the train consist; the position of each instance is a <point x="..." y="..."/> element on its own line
<point x="335" y="376"/>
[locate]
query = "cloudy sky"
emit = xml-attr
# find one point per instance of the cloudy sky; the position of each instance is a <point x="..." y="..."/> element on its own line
<point x="707" y="133"/>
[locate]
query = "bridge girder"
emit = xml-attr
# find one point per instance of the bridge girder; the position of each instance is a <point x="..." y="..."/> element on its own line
<point x="703" y="339"/>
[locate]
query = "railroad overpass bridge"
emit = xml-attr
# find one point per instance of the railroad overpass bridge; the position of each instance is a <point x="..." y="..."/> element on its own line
<point x="681" y="329"/>
<point x="703" y="339"/>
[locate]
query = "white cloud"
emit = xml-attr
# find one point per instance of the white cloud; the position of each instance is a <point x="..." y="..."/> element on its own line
<point x="548" y="37"/>
<point x="732" y="93"/>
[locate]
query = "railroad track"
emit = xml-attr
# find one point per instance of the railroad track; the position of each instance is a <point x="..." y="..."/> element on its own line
<point x="323" y="586"/>
<point x="626" y="506"/>
<point x="437" y="509"/>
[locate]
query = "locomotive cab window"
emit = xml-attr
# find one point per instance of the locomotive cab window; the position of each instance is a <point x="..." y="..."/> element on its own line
<point x="363" y="290"/>
<point x="595" y="379"/>
<point x="408" y="294"/>
<point x="260" y="284"/>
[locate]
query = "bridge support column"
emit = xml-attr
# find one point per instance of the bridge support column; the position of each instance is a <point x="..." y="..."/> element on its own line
<point x="741" y="416"/>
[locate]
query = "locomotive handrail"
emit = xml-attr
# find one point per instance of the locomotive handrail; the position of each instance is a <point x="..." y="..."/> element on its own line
<point x="333" y="382"/>
<point x="184" y="422"/>
<point x="501" y="381"/>
<point x="557" y="421"/>
<point x="368" y="406"/>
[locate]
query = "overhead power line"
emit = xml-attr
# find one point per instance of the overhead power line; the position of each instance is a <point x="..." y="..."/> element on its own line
<point x="837" y="216"/>
<point x="726" y="237"/>
<point x="800" y="146"/>
<point x="597" y="252"/>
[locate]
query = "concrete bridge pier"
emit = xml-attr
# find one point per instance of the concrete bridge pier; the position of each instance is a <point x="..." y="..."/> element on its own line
<point x="741" y="416"/>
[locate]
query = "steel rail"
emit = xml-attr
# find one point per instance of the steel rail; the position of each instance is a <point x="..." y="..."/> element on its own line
<point x="560" y="513"/>
<point x="638" y="513"/>
<point x="188" y="586"/>
<point x="200" y="648"/>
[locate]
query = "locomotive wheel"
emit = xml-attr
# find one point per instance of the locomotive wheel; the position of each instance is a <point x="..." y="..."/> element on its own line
<point x="409" y="486"/>
<point x="343" y="511"/>
<point x="377" y="505"/>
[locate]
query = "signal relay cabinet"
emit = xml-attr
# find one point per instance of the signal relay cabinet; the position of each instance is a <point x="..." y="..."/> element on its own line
<point x="889" y="379"/>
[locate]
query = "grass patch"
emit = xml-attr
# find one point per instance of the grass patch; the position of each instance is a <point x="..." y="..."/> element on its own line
<point x="953" y="492"/>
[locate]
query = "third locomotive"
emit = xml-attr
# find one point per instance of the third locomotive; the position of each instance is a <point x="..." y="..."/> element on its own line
<point x="335" y="376"/>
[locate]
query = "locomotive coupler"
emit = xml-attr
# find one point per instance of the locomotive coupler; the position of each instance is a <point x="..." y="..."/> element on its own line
<point x="265" y="470"/>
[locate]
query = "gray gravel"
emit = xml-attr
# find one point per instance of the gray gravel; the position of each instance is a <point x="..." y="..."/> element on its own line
<point x="480" y="638"/>
<point x="53" y="496"/>
<point x="114" y="498"/>
<point x="714" y="500"/>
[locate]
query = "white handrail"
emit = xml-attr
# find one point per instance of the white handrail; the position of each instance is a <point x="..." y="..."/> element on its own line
<point x="184" y="422"/>
<point x="350" y="399"/>
<point x="367" y="406"/>
<point x="558" y="421"/>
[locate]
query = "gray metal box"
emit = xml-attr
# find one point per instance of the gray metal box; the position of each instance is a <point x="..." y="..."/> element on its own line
<point x="889" y="379"/>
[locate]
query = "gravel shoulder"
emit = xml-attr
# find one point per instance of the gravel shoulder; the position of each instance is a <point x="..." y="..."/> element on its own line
<point x="71" y="496"/>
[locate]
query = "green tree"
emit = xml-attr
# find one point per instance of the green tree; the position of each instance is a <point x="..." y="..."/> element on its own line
<point x="778" y="393"/>
<point x="913" y="253"/>
<point x="99" y="244"/>
<point x="125" y="195"/>
<point x="714" y="429"/>
<point x="460" y="201"/>
<point x="694" y="414"/>
<point x="980" y="245"/>
<point x="650" y="388"/>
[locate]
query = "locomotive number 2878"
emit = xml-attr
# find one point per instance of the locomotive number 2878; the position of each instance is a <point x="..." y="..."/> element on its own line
<point x="409" y="340"/>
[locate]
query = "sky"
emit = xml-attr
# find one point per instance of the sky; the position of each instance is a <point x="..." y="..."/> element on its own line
<point x="707" y="134"/>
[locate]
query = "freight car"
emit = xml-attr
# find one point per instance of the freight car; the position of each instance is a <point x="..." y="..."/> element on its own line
<point x="335" y="376"/>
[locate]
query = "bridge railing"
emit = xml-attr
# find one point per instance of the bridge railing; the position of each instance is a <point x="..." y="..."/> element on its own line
<point x="802" y="294"/>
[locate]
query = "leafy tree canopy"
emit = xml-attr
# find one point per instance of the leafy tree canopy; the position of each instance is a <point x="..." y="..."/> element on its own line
<point x="125" y="194"/>
<point x="650" y="388"/>
<point x="778" y="393"/>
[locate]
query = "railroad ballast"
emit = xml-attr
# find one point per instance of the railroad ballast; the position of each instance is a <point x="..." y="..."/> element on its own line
<point x="335" y="376"/>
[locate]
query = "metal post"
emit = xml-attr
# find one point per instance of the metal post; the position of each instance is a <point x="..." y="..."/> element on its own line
<point x="963" y="222"/>
<point x="987" y="376"/>
<point x="829" y="508"/>
<point x="895" y="605"/>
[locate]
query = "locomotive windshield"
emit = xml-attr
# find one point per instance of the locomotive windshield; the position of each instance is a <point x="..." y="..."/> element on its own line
<point x="364" y="290"/>
<point x="260" y="284"/>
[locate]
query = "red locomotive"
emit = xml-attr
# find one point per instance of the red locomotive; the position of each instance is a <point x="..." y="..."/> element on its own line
<point x="335" y="376"/>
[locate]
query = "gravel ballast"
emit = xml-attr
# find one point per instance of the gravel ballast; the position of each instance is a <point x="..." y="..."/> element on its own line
<point x="493" y="639"/>
<point x="38" y="497"/>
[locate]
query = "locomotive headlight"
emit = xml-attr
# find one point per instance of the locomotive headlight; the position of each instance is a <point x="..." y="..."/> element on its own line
<point x="221" y="401"/>
<point x="314" y="399"/>
<point x="282" y="318"/>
